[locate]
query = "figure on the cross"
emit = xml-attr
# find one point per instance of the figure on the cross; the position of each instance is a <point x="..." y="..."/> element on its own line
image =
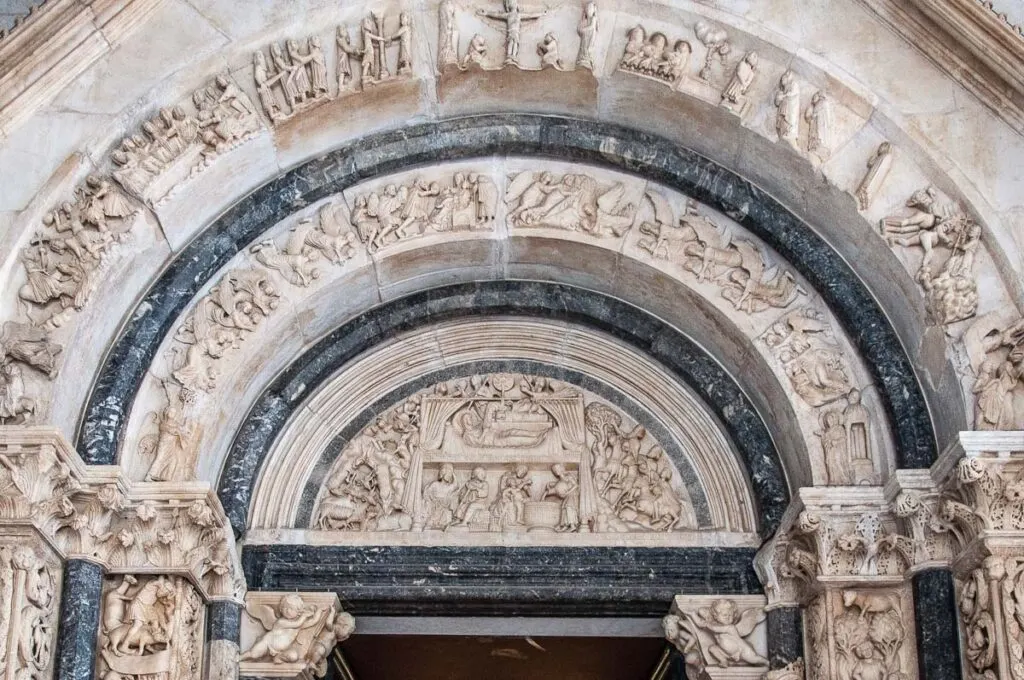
<point x="512" y="18"/>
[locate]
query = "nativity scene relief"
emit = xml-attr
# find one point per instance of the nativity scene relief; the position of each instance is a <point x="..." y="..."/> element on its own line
<point x="504" y="453"/>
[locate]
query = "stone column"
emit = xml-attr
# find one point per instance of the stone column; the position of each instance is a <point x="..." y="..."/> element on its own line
<point x="938" y="636"/>
<point x="79" y="620"/>
<point x="223" y="621"/>
<point x="785" y="636"/>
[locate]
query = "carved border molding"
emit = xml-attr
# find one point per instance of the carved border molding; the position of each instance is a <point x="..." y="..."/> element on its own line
<point x="58" y="41"/>
<point x="970" y="43"/>
<point x="94" y="513"/>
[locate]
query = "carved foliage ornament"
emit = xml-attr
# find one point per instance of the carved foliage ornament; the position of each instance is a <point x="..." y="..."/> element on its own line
<point x="503" y="453"/>
<point x="28" y="613"/>
<point x="127" y="532"/>
<point x="151" y="626"/>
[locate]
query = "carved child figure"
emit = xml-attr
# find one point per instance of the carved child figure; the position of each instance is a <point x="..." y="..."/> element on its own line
<point x="279" y="642"/>
<point x="730" y="628"/>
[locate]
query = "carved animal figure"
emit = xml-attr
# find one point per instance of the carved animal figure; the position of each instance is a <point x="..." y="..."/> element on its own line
<point x="871" y="603"/>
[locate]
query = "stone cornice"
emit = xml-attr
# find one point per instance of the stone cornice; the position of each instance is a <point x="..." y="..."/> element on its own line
<point x="56" y="43"/>
<point x="968" y="41"/>
<point x="95" y="513"/>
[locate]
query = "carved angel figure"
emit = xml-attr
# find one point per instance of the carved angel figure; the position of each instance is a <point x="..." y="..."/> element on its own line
<point x="280" y="641"/>
<point x="729" y="629"/>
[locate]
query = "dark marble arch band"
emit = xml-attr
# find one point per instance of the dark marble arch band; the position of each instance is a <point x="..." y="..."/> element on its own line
<point x="636" y="411"/>
<point x="603" y="144"/>
<point x="679" y="355"/>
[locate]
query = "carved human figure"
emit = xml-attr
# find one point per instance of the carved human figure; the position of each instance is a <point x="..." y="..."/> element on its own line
<point x="440" y="497"/>
<point x="171" y="446"/>
<point x="742" y="79"/>
<point x="566" y="488"/>
<point x="279" y="641"/>
<point x="820" y="124"/>
<point x="587" y="30"/>
<point x="403" y="36"/>
<point x="317" y="68"/>
<point x="673" y="65"/>
<point x="835" y="446"/>
<point x="16" y="406"/>
<point x="448" y="32"/>
<point x="346" y="52"/>
<point x="858" y="424"/>
<point x="338" y="627"/>
<point x="371" y="67"/>
<point x="787" y="105"/>
<point x="636" y="39"/>
<point x="509" y="507"/>
<point x="476" y="53"/>
<point x="511" y="17"/>
<point x="548" y="51"/>
<point x="473" y="497"/>
<point x="878" y="169"/>
<point x="730" y="629"/>
<point x="286" y="73"/>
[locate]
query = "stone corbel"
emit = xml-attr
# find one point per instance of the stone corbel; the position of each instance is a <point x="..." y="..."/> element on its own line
<point x="291" y="635"/>
<point x="96" y="514"/>
<point x="720" y="637"/>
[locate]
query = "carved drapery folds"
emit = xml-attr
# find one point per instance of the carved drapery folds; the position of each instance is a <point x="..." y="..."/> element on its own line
<point x="291" y="635"/>
<point x="719" y="637"/>
<point x="94" y="514"/>
<point x="150" y="626"/>
<point x="503" y="453"/>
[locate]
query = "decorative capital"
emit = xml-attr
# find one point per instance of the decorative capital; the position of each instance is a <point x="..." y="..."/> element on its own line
<point x="95" y="513"/>
<point x="719" y="636"/>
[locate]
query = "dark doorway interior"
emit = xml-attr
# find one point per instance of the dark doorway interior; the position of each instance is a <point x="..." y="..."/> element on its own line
<point x="437" y="657"/>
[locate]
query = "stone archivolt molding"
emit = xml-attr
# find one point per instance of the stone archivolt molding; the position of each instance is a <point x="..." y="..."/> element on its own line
<point x="498" y="204"/>
<point x="153" y="166"/>
<point x="93" y="513"/>
<point x="715" y="477"/>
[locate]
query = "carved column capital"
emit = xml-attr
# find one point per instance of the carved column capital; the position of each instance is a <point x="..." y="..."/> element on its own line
<point x="96" y="514"/>
<point x="720" y="636"/>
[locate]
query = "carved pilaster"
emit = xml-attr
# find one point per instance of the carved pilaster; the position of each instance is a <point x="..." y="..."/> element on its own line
<point x="30" y="579"/>
<point x="291" y="635"/>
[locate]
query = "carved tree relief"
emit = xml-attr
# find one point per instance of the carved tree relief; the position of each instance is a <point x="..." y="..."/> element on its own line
<point x="503" y="453"/>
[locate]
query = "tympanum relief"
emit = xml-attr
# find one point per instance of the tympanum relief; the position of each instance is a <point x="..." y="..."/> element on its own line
<point x="948" y="239"/>
<point x="291" y="635"/>
<point x="150" y="626"/>
<point x="531" y="38"/>
<point x="503" y="453"/>
<point x="179" y="142"/>
<point x="293" y="77"/>
<point x="719" y="637"/>
<point x="29" y="595"/>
